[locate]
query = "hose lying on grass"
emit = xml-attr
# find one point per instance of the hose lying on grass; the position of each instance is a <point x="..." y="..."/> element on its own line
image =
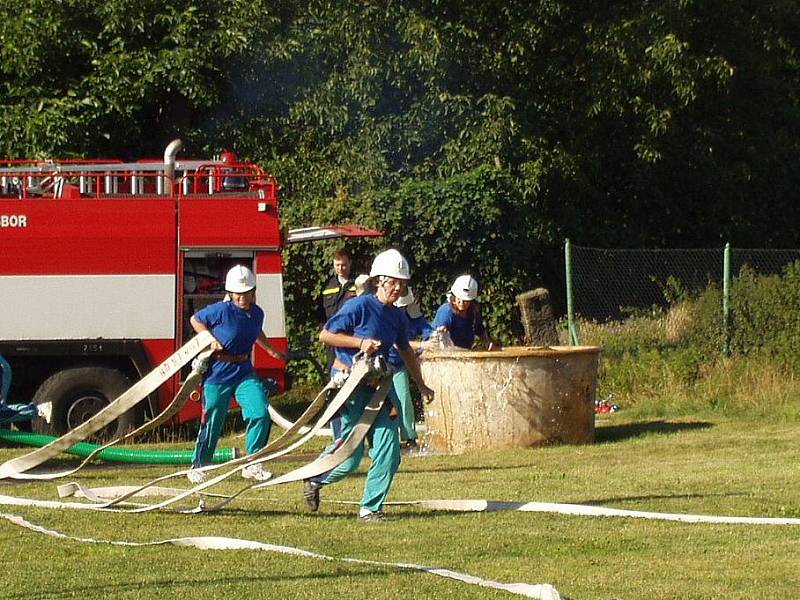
<point x="124" y="455"/>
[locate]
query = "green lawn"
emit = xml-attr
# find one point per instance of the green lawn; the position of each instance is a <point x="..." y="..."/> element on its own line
<point x="706" y="466"/>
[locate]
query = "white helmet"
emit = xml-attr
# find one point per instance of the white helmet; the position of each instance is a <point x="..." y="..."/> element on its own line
<point x="361" y="284"/>
<point x="405" y="300"/>
<point x="390" y="263"/>
<point x="239" y="280"/>
<point x="465" y="287"/>
<point x="409" y="302"/>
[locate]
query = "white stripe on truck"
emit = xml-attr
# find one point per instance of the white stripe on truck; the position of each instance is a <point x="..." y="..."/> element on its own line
<point x="61" y="307"/>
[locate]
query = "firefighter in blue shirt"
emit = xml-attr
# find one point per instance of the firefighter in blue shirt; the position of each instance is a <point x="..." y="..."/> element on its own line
<point x="460" y="315"/>
<point x="236" y="324"/>
<point x="370" y="324"/>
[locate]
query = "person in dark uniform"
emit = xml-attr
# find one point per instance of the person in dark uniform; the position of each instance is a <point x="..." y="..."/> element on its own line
<point x="338" y="290"/>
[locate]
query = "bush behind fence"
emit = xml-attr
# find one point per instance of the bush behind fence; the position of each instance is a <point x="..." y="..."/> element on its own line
<point x="680" y="298"/>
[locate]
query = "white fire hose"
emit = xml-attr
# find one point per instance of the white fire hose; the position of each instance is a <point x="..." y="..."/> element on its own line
<point x="285" y="423"/>
<point x="319" y="466"/>
<point x="17" y="467"/>
<point x="541" y="591"/>
<point x="337" y="381"/>
<point x="362" y="369"/>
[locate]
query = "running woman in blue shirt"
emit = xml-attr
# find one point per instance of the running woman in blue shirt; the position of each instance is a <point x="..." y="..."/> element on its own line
<point x="236" y="324"/>
<point x="370" y="324"/>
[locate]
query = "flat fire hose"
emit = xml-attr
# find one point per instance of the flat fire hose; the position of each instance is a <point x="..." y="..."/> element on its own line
<point x="285" y="423"/>
<point x="539" y="591"/>
<point x="583" y="510"/>
<point x="361" y="369"/>
<point x="327" y="462"/>
<point x="17" y="467"/>
<point x="319" y="466"/>
<point x="118" y="494"/>
<point x="194" y="379"/>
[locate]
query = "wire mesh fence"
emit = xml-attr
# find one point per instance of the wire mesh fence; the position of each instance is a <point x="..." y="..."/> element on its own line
<point x="612" y="284"/>
<point x="763" y="262"/>
<point x="606" y="285"/>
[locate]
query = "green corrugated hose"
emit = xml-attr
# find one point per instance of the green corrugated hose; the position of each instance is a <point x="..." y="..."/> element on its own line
<point x="125" y="455"/>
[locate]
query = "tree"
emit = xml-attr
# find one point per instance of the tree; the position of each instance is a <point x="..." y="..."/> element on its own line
<point x="123" y="77"/>
<point x="665" y="123"/>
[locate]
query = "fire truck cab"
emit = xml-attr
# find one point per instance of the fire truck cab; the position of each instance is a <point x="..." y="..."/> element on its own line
<point x="104" y="262"/>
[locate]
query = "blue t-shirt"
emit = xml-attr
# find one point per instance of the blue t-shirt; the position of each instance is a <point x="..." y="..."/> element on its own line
<point x="367" y="317"/>
<point x="418" y="327"/>
<point x="462" y="329"/>
<point x="237" y="331"/>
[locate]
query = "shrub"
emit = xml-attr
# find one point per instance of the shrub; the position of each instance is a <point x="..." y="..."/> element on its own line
<point x="766" y="315"/>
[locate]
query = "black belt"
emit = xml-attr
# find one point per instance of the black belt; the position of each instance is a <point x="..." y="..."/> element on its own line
<point x="234" y="358"/>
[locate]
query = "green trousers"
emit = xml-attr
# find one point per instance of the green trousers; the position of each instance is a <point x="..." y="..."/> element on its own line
<point x="384" y="449"/>
<point x="400" y="395"/>
<point x="253" y="400"/>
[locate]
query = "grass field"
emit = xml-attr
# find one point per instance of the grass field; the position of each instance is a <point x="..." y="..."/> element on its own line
<point x="706" y="466"/>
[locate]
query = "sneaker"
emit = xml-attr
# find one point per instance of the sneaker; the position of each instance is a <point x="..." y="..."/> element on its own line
<point x="256" y="472"/>
<point x="409" y="447"/>
<point x="196" y="476"/>
<point x="367" y="516"/>
<point x="45" y="410"/>
<point x="311" y="494"/>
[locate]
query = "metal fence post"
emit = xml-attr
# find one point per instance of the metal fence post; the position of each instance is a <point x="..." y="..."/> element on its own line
<point x="726" y="304"/>
<point x="572" y="327"/>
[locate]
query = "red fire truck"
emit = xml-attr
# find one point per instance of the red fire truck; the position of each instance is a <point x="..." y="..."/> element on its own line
<point x="103" y="263"/>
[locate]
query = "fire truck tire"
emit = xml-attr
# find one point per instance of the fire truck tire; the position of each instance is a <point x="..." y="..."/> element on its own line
<point x="80" y="393"/>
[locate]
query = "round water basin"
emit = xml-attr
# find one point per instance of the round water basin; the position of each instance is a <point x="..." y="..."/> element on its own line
<point x="511" y="398"/>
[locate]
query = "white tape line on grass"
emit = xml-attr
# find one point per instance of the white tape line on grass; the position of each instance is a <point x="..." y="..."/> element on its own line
<point x="582" y="510"/>
<point x="542" y="591"/>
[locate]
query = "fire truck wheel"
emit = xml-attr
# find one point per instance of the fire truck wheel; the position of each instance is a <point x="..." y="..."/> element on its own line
<point x="80" y="393"/>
